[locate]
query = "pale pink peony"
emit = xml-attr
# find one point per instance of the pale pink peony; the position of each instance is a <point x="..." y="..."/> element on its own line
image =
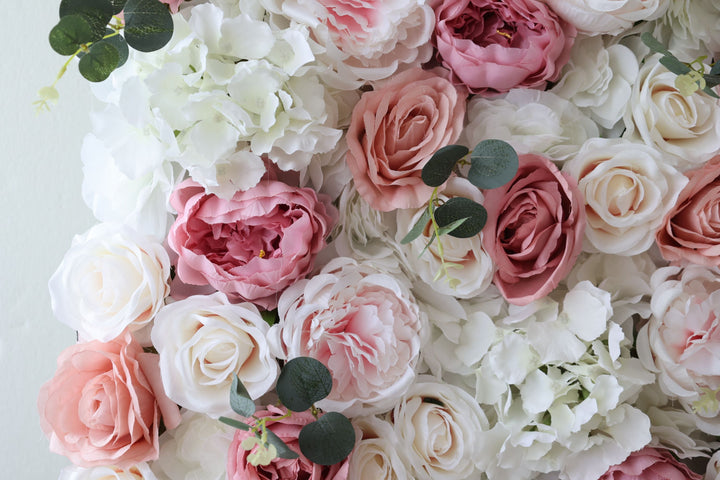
<point x="395" y="130"/>
<point x="492" y="47"/>
<point x="650" y="464"/>
<point x="534" y="230"/>
<point x="103" y="405"/>
<point x="253" y="245"/>
<point x="288" y="430"/>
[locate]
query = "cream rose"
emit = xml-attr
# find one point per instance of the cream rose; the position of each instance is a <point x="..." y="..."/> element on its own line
<point x="375" y="456"/>
<point x="594" y="17"/>
<point x="203" y="342"/>
<point x="628" y="189"/>
<point x="112" y="278"/>
<point x="140" y="471"/>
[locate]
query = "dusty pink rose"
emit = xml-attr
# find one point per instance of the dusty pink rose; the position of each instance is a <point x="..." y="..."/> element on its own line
<point x="288" y="430"/>
<point x="253" y="245"/>
<point x="492" y="47"/>
<point x="104" y="404"/>
<point x="691" y="230"/>
<point x="395" y="130"/>
<point x="650" y="464"/>
<point x="534" y="231"/>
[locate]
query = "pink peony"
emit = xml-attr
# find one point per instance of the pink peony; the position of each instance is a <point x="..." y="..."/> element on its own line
<point x="253" y="245"/>
<point x="395" y="130"/>
<point x="534" y="230"/>
<point x="691" y="230"/>
<point x="492" y="47"/>
<point x="103" y="405"/>
<point x="288" y="430"/>
<point x="650" y="464"/>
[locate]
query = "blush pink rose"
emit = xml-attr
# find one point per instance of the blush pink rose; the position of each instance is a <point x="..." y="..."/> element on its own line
<point x="492" y="47"/>
<point x="691" y="230"/>
<point x="104" y="404"/>
<point x="534" y="231"/>
<point x="253" y="245"/>
<point x="395" y="130"/>
<point x="650" y="464"/>
<point x="288" y="429"/>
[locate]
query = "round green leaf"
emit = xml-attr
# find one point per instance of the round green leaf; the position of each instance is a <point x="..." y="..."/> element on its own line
<point x="148" y="25"/>
<point x="70" y="32"/>
<point x="120" y="45"/>
<point x="458" y="208"/>
<point x="438" y="169"/>
<point x="117" y="6"/>
<point x="493" y="164"/>
<point x="97" y="13"/>
<point x="99" y="62"/>
<point x="302" y="382"/>
<point x="329" y="440"/>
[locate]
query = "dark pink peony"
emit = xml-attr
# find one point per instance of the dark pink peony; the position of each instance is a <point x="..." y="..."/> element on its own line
<point x="650" y="464"/>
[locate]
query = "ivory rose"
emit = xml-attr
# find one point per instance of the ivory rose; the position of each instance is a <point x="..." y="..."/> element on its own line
<point x="691" y="229"/>
<point x="136" y="472"/>
<point x="103" y="405"/>
<point x="594" y="17"/>
<point x="375" y="455"/>
<point x="650" y="464"/>
<point x="395" y="130"/>
<point x="288" y="429"/>
<point x="253" y="245"/>
<point x="492" y="47"/>
<point x="534" y="230"/>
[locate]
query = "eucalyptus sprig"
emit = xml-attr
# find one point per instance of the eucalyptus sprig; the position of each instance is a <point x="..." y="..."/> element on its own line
<point x="691" y="76"/>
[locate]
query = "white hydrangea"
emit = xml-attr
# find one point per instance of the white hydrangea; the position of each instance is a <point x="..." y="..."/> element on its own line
<point x="691" y="28"/>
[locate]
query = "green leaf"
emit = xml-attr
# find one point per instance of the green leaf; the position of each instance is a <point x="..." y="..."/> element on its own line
<point x="417" y="228"/>
<point x="427" y="245"/>
<point x="271" y="317"/>
<point x="715" y="70"/>
<point x="148" y="25"/>
<point x="117" y="6"/>
<point x="283" y="450"/>
<point x="438" y="169"/>
<point x="712" y="80"/>
<point x="70" y="32"/>
<point x="458" y="208"/>
<point x="120" y="45"/>
<point x="234" y="423"/>
<point x="329" y="440"/>
<point x="675" y="65"/>
<point x="449" y="228"/>
<point x="99" y="62"/>
<point x="97" y="13"/>
<point x="302" y="382"/>
<point x="654" y="44"/>
<point x="240" y="400"/>
<point x="710" y="92"/>
<point x="493" y="164"/>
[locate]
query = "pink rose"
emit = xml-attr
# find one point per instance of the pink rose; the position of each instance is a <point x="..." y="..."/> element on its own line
<point x="650" y="464"/>
<point x="288" y="430"/>
<point x="103" y="405"/>
<point x="173" y="4"/>
<point x="492" y="47"/>
<point x="691" y="230"/>
<point x="395" y="130"/>
<point x="534" y="230"/>
<point x="253" y="245"/>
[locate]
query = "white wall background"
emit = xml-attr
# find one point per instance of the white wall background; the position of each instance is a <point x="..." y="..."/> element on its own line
<point x="41" y="210"/>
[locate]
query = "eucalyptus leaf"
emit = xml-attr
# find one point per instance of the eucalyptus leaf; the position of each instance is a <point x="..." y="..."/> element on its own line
<point x="240" y="400"/>
<point x="283" y="450"/>
<point x="710" y="92"/>
<point x="472" y="213"/>
<point x="99" y="62"/>
<point x="302" y="382"/>
<point x="270" y="316"/>
<point x="715" y="69"/>
<point x="97" y="13"/>
<point x="675" y="65"/>
<point x="69" y="34"/>
<point x="493" y="164"/>
<point x="427" y="245"/>
<point x="235" y="423"/>
<point x="117" y="5"/>
<point x="148" y="25"/>
<point x="449" y="228"/>
<point x="654" y="44"/>
<point x="329" y="440"/>
<point x="120" y="45"/>
<point x="440" y="166"/>
<point x="417" y="228"/>
<point x="711" y="79"/>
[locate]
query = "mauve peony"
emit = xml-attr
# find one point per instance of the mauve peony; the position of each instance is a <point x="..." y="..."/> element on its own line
<point x="650" y="464"/>
<point x="253" y="245"/>
<point x="534" y="231"/>
<point x="103" y="405"/>
<point x="288" y="430"/>
<point x="492" y="47"/>
<point x="395" y="130"/>
<point x="691" y="229"/>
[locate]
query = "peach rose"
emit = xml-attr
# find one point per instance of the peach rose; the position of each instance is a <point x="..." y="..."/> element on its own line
<point x="650" y="464"/>
<point x="103" y="405"/>
<point x="395" y="130"/>
<point x="534" y="230"/>
<point x="691" y="230"/>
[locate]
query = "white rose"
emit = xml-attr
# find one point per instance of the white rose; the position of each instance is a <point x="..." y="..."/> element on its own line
<point x="138" y="472"/>
<point x="475" y="270"/>
<point x="204" y="341"/>
<point x="112" y="278"/>
<point x="531" y="121"/>
<point x="440" y="429"/>
<point x="594" y="17"/>
<point x="196" y="449"/>
<point x="628" y="189"/>
<point x="685" y="127"/>
<point x="375" y="456"/>
<point x="713" y="467"/>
